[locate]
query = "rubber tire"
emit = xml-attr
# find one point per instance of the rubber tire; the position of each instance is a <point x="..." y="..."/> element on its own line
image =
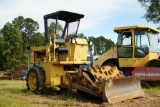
<point x="40" y="79"/>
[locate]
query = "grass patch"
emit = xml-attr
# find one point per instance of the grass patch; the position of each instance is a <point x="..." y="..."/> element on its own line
<point x="7" y="86"/>
<point x="15" y="94"/>
<point x="48" y="90"/>
<point x="65" y="98"/>
<point x="70" y="94"/>
<point x="14" y="87"/>
<point x="9" y="90"/>
<point x="60" y="103"/>
<point x="151" y="90"/>
<point x="62" y="94"/>
<point x="7" y="102"/>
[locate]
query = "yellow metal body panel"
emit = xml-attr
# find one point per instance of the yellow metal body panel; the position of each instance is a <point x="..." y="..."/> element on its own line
<point x="112" y="53"/>
<point x="39" y="48"/>
<point x="33" y="55"/>
<point x="53" y="73"/>
<point x="77" y="51"/>
<point x="137" y="62"/>
<point x="53" y="61"/>
<point x="74" y="62"/>
<point x="81" y="41"/>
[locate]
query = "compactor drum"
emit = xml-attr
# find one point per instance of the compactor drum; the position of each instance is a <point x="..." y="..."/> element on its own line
<point x="59" y="61"/>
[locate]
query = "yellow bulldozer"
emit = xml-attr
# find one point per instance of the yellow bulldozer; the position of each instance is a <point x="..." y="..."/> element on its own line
<point x="137" y="53"/>
<point x="58" y="63"/>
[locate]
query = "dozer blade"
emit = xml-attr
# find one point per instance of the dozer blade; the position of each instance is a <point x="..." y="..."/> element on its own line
<point x="121" y="89"/>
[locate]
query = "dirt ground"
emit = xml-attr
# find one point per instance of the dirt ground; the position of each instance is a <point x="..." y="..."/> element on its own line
<point x="47" y="101"/>
<point x="151" y="99"/>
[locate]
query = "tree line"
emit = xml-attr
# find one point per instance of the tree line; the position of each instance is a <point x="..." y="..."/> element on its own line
<point x="152" y="8"/>
<point x="15" y="36"/>
<point x="21" y="32"/>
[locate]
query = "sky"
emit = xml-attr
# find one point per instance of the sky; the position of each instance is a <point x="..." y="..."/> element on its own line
<point x="101" y="16"/>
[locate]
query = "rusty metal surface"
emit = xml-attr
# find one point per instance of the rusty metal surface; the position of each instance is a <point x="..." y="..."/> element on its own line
<point x="121" y="89"/>
<point x="105" y="72"/>
<point x="86" y="90"/>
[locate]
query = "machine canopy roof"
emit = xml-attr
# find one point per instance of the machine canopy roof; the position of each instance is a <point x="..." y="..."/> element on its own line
<point x="117" y="29"/>
<point x="65" y="16"/>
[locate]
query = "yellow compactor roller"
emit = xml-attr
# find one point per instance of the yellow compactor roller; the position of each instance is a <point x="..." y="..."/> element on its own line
<point x="59" y="61"/>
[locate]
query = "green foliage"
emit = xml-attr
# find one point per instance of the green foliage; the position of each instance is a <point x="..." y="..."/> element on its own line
<point x="12" y="43"/>
<point x="37" y="39"/>
<point x="8" y="102"/>
<point x="100" y="45"/>
<point x="15" y="37"/>
<point x="52" y="27"/>
<point x="61" y="103"/>
<point x="30" y="26"/>
<point x="81" y="35"/>
<point x="151" y="90"/>
<point x="152" y="10"/>
<point x="13" y="89"/>
<point x="2" y="57"/>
